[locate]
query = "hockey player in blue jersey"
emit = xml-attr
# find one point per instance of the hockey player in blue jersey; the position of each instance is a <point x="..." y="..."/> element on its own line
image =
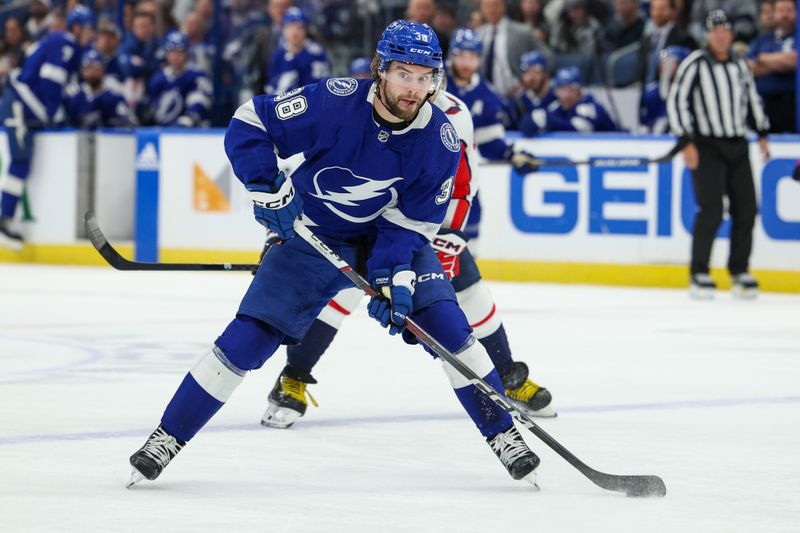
<point x="573" y="110"/>
<point x="179" y="94"/>
<point x="298" y="60"/>
<point x="375" y="185"/>
<point x="289" y="397"/>
<point x="96" y="104"/>
<point x="34" y="100"/>
<point x="653" y="107"/>
<point x="486" y="107"/>
<point x="538" y="94"/>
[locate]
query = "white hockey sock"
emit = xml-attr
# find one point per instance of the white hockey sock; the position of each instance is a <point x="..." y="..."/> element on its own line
<point x="478" y="305"/>
<point x="475" y="357"/>
<point x="218" y="376"/>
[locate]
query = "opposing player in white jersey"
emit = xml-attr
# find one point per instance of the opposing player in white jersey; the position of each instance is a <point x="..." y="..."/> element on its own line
<point x="288" y="399"/>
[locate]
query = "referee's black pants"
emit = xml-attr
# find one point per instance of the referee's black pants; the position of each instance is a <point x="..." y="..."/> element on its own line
<point x="723" y="169"/>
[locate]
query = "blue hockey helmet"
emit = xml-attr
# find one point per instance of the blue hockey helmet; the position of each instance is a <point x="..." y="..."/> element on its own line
<point x="176" y="41"/>
<point x="81" y="15"/>
<point x="91" y="57"/>
<point x="294" y="15"/>
<point x="360" y="66"/>
<point x="568" y="76"/>
<point x="409" y="42"/>
<point x="674" y="53"/>
<point x="531" y="60"/>
<point x="466" y="40"/>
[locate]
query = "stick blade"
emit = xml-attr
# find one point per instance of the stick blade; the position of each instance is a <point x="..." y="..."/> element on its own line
<point x="93" y="230"/>
<point x="634" y="486"/>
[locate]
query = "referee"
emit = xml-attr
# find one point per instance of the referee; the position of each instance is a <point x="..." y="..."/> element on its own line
<point x="709" y="104"/>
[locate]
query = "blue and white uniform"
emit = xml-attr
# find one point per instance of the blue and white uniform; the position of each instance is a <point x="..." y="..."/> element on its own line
<point x="653" y="106"/>
<point x="105" y="108"/>
<point x="34" y="99"/>
<point x="180" y="99"/>
<point x="289" y="71"/>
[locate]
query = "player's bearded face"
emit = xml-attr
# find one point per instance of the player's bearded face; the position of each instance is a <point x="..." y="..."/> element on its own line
<point x="405" y="88"/>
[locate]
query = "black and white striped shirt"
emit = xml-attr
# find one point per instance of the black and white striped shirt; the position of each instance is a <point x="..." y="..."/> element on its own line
<point x="713" y="98"/>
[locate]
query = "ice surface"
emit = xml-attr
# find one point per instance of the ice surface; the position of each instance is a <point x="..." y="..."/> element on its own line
<point x="704" y="394"/>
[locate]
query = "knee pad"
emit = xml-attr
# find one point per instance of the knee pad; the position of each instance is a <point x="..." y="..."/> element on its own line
<point x="479" y="307"/>
<point x="248" y="342"/>
<point x="340" y="307"/>
<point x="473" y="355"/>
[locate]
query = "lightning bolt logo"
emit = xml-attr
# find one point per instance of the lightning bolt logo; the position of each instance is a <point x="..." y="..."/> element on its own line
<point x="355" y="195"/>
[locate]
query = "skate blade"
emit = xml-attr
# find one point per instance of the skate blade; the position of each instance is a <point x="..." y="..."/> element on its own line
<point x="279" y="417"/>
<point x="10" y="244"/>
<point x="533" y="479"/>
<point x="741" y="293"/>
<point x="548" y="411"/>
<point x="136" y="477"/>
<point x="701" y="293"/>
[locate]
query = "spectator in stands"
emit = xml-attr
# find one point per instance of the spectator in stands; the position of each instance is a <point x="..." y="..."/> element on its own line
<point x="422" y="12"/>
<point x="573" y="111"/>
<point x="445" y="23"/>
<point x="107" y="44"/>
<point x="538" y="95"/>
<point x="774" y="61"/>
<point x="96" y="104"/>
<point x="137" y="54"/>
<point x="532" y="14"/>
<point x="179" y="94"/>
<point x="653" y="108"/>
<point x="741" y="13"/>
<point x="766" y="19"/>
<point x="361" y="68"/>
<point x="298" y="60"/>
<point x="40" y="19"/>
<point x="12" y="50"/>
<point x="504" y="43"/>
<point x="660" y="33"/>
<point x="627" y="26"/>
<point x="577" y="32"/>
<point x="246" y="52"/>
<point x="201" y="51"/>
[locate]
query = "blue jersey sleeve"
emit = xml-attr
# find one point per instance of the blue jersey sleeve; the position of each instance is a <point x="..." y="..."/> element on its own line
<point x="116" y="111"/>
<point x="198" y="99"/>
<point x="60" y="62"/>
<point x="490" y="133"/>
<point x="287" y="124"/>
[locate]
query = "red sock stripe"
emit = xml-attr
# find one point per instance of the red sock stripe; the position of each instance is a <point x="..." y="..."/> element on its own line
<point x="485" y="320"/>
<point x="338" y="307"/>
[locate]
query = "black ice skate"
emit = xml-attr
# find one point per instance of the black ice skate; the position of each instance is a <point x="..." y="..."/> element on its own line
<point x="8" y="238"/>
<point x="744" y="286"/>
<point x="287" y="400"/>
<point x="515" y="455"/>
<point x="152" y="458"/>
<point x="702" y="286"/>
<point x="526" y="395"/>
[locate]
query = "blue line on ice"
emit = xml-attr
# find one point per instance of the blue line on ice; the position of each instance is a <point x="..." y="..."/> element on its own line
<point x="654" y="406"/>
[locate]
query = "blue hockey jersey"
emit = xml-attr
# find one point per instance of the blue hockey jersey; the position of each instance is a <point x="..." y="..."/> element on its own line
<point x="138" y="59"/>
<point x="289" y="71"/>
<point x="180" y="100"/>
<point x="106" y="108"/>
<point x="488" y="113"/>
<point x="653" y="110"/>
<point x="359" y="178"/>
<point x="585" y="116"/>
<point x="527" y="102"/>
<point x="49" y="66"/>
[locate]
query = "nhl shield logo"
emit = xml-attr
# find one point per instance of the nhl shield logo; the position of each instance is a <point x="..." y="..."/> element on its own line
<point x="450" y="137"/>
<point x="342" y="86"/>
<point x="383" y="136"/>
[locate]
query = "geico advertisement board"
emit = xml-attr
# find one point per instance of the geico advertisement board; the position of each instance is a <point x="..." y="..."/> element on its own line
<point x="49" y="213"/>
<point x="627" y="215"/>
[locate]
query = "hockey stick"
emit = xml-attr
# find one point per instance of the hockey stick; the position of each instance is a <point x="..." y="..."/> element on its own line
<point x="114" y="258"/>
<point x="630" y="485"/>
<point x="521" y="159"/>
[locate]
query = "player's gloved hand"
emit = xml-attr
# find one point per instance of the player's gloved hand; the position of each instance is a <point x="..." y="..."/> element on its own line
<point x="525" y="162"/>
<point x="276" y="206"/>
<point x="394" y="301"/>
<point x="448" y="248"/>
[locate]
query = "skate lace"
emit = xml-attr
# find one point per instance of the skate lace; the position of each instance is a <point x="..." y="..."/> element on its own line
<point x="297" y="390"/>
<point x="509" y="446"/>
<point x="524" y="392"/>
<point x="162" y="447"/>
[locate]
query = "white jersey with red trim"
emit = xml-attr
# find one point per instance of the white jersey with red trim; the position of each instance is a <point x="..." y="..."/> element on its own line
<point x="466" y="183"/>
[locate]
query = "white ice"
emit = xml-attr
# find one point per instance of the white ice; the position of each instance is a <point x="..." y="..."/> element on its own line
<point x="704" y="394"/>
